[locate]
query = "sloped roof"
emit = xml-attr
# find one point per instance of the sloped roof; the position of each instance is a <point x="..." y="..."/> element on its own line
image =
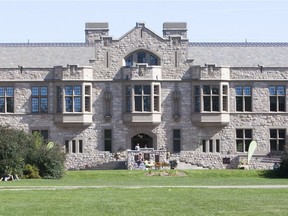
<point x="239" y="54"/>
<point x="45" y="54"/>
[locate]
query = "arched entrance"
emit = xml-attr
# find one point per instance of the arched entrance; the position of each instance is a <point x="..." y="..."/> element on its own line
<point x="143" y="139"/>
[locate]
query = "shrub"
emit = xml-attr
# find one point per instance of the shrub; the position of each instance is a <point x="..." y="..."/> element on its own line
<point x="31" y="171"/>
<point x="51" y="163"/>
<point x="14" y="146"/>
<point x="283" y="169"/>
<point x="18" y="149"/>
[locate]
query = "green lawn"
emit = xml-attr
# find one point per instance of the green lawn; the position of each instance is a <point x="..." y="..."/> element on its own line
<point x="146" y="201"/>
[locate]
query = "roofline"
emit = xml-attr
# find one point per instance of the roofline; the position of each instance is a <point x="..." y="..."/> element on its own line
<point x="238" y="44"/>
<point x="46" y="45"/>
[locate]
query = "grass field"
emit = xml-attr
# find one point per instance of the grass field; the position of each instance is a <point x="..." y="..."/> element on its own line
<point x="115" y="200"/>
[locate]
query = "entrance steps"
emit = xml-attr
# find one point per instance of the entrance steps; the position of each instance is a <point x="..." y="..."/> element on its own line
<point x="187" y="166"/>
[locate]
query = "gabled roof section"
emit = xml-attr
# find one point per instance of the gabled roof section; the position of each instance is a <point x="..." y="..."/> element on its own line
<point x="141" y="25"/>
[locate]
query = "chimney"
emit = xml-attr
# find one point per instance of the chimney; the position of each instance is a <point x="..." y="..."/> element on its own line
<point x="94" y="31"/>
<point x="175" y="29"/>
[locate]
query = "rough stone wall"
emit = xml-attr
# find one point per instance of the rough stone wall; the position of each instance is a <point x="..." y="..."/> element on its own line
<point x="109" y="73"/>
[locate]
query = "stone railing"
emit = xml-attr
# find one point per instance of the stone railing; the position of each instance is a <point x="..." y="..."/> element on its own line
<point x="142" y="72"/>
<point x="210" y="72"/>
<point x="73" y="72"/>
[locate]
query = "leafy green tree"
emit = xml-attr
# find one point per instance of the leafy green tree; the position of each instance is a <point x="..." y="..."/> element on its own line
<point x="19" y="149"/>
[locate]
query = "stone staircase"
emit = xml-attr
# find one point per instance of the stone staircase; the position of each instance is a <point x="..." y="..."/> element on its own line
<point x="187" y="166"/>
<point x="271" y="160"/>
<point x="112" y="165"/>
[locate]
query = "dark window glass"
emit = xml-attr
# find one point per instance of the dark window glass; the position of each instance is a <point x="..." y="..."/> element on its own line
<point x="80" y="143"/>
<point x="243" y="139"/>
<point x="248" y="104"/>
<point x="273" y="104"/>
<point x="176" y="140"/>
<point x="215" y="103"/>
<point x="239" y="104"/>
<point x="206" y="89"/>
<point x="141" y="57"/>
<point x="108" y="140"/>
<point x="204" y="145"/>
<point x="207" y="104"/>
<point x="217" y="145"/>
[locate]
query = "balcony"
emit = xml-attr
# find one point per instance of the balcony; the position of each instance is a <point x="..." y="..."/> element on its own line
<point x="74" y="119"/>
<point x="211" y="119"/>
<point x="142" y="71"/>
<point x="141" y="117"/>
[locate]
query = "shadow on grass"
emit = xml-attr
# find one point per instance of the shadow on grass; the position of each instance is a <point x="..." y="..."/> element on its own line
<point x="274" y="174"/>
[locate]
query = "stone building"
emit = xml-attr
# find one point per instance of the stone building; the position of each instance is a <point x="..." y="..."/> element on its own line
<point x="202" y="102"/>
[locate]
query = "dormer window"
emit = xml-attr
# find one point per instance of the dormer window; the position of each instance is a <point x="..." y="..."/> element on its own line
<point x="140" y="57"/>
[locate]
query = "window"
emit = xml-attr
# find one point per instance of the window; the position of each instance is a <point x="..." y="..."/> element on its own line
<point x="225" y="98"/>
<point x="140" y="98"/>
<point x="59" y="99"/>
<point x="87" y="98"/>
<point x="141" y="57"/>
<point x="277" y="98"/>
<point x="39" y="99"/>
<point x="213" y="144"/>
<point x="210" y="145"/>
<point x="204" y="146"/>
<point x="73" y="98"/>
<point x="74" y="146"/>
<point x="277" y="139"/>
<point x="6" y="99"/>
<point x="243" y="98"/>
<point x="211" y="98"/>
<point x="70" y="100"/>
<point x="243" y="139"/>
<point x="217" y="145"/>
<point x="108" y="140"/>
<point x="156" y="98"/>
<point x="176" y="140"/>
<point x="197" y="101"/>
<point x="43" y="133"/>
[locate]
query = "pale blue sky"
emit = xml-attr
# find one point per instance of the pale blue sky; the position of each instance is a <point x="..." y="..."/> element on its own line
<point x="208" y="21"/>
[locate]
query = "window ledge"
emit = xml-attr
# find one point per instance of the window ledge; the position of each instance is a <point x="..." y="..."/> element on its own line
<point x="211" y="119"/>
<point x="74" y="118"/>
<point x="142" y="117"/>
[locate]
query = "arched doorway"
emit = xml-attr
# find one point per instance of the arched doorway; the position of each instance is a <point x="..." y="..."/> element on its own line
<point x="143" y="139"/>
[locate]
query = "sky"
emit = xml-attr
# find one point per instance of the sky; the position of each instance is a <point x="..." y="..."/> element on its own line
<point x="207" y="21"/>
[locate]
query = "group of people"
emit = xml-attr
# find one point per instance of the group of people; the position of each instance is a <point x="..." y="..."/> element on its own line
<point x="9" y="177"/>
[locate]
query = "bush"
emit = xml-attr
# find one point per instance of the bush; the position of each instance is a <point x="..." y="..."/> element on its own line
<point x="14" y="147"/>
<point x="26" y="154"/>
<point x="50" y="162"/>
<point x="283" y="169"/>
<point x="31" y="172"/>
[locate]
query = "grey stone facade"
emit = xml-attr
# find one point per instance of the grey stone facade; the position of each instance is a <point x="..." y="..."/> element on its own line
<point x="172" y="68"/>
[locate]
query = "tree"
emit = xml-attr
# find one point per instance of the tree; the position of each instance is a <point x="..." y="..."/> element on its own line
<point x="19" y="149"/>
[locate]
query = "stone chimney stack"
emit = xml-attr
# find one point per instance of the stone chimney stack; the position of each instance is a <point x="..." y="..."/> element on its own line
<point x="175" y="29"/>
<point x="94" y="31"/>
